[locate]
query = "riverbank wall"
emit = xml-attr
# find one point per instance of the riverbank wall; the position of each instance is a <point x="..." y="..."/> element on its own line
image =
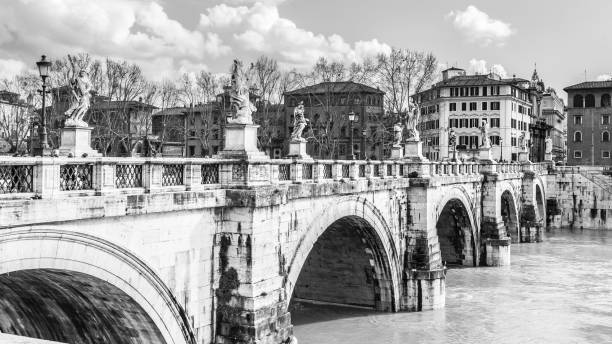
<point x="579" y="197"/>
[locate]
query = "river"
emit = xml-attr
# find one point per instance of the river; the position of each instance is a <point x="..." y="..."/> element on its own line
<point x="556" y="291"/>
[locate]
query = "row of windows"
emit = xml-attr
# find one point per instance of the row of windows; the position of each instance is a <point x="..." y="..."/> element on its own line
<point x="474" y="106"/>
<point x="474" y="91"/>
<point x="426" y="110"/>
<point x="604" y="120"/>
<point x="471" y="122"/>
<point x="516" y="124"/>
<point x="336" y="100"/>
<point x="515" y="92"/>
<point x="589" y="101"/>
<point x="433" y="124"/>
<point x="604" y="154"/>
<point x="605" y="136"/>
<point x="432" y="141"/>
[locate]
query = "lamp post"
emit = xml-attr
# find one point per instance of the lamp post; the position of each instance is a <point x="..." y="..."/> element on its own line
<point x="364" y="132"/>
<point x="501" y="149"/>
<point x="43" y="70"/>
<point x="429" y="148"/>
<point x="351" y="118"/>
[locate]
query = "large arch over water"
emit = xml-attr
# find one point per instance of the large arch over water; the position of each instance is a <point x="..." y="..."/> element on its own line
<point x="73" y="277"/>
<point x="347" y="256"/>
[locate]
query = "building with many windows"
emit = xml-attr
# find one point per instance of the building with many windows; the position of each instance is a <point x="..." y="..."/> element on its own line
<point x="327" y="105"/>
<point x="553" y="112"/>
<point x="461" y="102"/>
<point x="588" y="126"/>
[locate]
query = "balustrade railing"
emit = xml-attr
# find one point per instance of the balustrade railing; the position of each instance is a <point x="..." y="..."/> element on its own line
<point x="48" y="176"/>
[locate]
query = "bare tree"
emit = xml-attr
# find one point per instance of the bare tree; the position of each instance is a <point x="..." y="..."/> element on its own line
<point x="16" y="114"/>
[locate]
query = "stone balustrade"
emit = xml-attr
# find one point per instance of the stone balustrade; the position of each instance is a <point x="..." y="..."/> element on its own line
<point x="48" y="177"/>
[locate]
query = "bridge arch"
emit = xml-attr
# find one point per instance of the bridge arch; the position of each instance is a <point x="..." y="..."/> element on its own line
<point x="352" y="236"/>
<point x="73" y="273"/>
<point x="539" y="198"/>
<point x="456" y="229"/>
<point x="509" y="213"/>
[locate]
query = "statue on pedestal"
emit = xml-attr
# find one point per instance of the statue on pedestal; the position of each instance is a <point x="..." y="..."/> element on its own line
<point x="522" y="143"/>
<point x="549" y="145"/>
<point x="239" y="94"/>
<point x="452" y="138"/>
<point x="484" y="134"/>
<point x="81" y="92"/>
<point x="299" y="123"/>
<point x="397" y="134"/>
<point x="414" y="115"/>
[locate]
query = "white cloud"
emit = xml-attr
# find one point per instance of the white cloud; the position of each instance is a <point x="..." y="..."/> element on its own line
<point x="9" y="68"/>
<point x="604" y="77"/>
<point x="260" y="28"/>
<point x="480" y="67"/>
<point x="138" y="30"/>
<point x="478" y="27"/>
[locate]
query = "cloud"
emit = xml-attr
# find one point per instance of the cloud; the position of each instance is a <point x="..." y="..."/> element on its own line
<point x="9" y="68"/>
<point x="604" y="77"/>
<point x="261" y="29"/>
<point x="478" y="27"/>
<point x="480" y="67"/>
<point x="139" y="31"/>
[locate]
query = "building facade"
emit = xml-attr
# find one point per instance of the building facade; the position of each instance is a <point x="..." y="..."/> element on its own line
<point x="460" y="102"/>
<point x="588" y="123"/>
<point x="553" y="111"/>
<point x="327" y="106"/>
<point x="15" y="123"/>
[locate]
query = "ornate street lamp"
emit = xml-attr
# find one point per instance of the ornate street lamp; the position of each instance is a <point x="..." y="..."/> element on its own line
<point x="429" y="148"/>
<point x="501" y="149"/>
<point x="351" y="118"/>
<point x="43" y="70"/>
<point x="364" y="132"/>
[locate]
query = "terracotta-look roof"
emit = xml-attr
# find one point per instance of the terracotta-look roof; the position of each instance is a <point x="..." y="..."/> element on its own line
<point x="335" y="87"/>
<point x="590" y="84"/>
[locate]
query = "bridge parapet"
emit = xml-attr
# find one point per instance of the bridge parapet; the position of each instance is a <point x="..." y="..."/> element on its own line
<point x="46" y="177"/>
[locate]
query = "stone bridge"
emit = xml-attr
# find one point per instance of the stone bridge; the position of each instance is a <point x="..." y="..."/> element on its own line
<point x="157" y="250"/>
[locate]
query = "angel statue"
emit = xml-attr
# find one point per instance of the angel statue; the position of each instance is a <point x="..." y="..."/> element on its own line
<point x="452" y="138"/>
<point x="484" y="133"/>
<point x="81" y="93"/>
<point x="397" y="134"/>
<point x="239" y="95"/>
<point x="522" y="143"/>
<point x="548" y="144"/>
<point x="414" y="115"/>
<point x="299" y="123"/>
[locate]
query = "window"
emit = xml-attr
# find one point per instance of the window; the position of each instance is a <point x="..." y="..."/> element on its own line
<point x="494" y="122"/>
<point x="578" y="119"/>
<point x="513" y="141"/>
<point x="342" y="149"/>
<point x="473" y="141"/>
<point x="605" y="119"/>
<point x="605" y="154"/>
<point x="605" y="136"/>
<point x="577" y="154"/>
<point x="513" y="123"/>
<point x="578" y="101"/>
<point x="577" y="136"/>
<point x="494" y="105"/>
<point x="589" y="100"/>
<point x="484" y="104"/>
<point x="473" y="106"/>
<point x="191" y="150"/>
<point x="484" y="91"/>
<point x="605" y="100"/>
<point x="463" y="107"/>
<point x="495" y="140"/>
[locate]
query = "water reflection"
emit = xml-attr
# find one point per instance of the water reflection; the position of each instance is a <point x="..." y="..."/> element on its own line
<point x="557" y="291"/>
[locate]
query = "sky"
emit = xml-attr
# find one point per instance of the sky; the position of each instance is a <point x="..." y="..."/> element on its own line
<point x="568" y="41"/>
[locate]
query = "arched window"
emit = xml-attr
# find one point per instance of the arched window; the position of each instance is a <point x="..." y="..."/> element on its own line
<point x="605" y="136"/>
<point x="578" y="101"/>
<point x="577" y="136"/>
<point x="589" y="101"/>
<point x="605" y="100"/>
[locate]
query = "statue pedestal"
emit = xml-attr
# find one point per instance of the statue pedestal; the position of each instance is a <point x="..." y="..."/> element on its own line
<point x="76" y="141"/>
<point x="524" y="157"/>
<point x="241" y="143"/>
<point x="297" y="149"/>
<point x="548" y="157"/>
<point x="484" y="153"/>
<point x="397" y="152"/>
<point x="413" y="150"/>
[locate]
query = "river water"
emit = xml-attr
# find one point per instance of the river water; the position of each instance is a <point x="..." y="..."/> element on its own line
<point x="557" y="291"/>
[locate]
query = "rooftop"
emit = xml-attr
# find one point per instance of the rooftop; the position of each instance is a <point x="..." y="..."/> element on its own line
<point x="590" y="85"/>
<point x="335" y="87"/>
